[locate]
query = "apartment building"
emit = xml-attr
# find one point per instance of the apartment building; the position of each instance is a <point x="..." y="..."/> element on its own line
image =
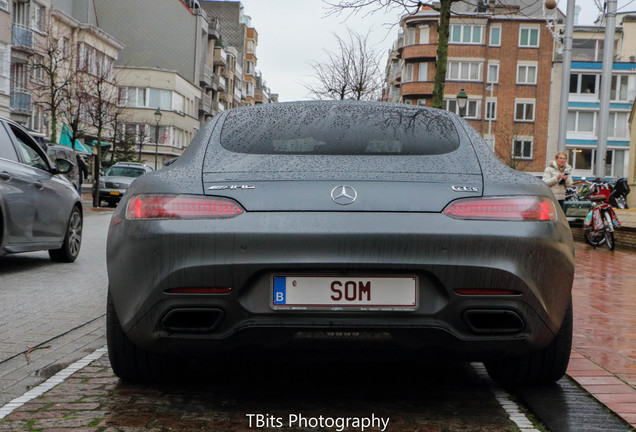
<point x="29" y="29"/>
<point x="500" y="56"/>
<point x="583" y="103"/>
<point x="5" y="58"/>
<point x="162" y="66"/>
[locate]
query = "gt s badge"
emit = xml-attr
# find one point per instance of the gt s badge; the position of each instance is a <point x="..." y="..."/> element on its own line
<point x="465" y="188"/>
<point x="231" y="187"/>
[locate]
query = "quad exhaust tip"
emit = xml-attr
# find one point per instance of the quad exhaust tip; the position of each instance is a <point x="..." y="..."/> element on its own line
<point x="192" y="320"/>
<point x="493" y="321"/>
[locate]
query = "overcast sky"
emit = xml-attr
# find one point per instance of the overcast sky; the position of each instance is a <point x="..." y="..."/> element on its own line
<point x="294" y="33"/>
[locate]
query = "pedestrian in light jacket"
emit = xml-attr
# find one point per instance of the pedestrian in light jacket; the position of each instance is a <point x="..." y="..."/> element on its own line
<point x="557" y="176"/>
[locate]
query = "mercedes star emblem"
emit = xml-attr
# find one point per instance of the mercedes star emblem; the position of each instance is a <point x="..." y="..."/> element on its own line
<point x="344" y="194"/>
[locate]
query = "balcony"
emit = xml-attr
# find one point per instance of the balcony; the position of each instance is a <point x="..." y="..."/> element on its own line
<point x="417" y="88"/>
<point x="220" y="82"/>
<point x="214" y="28"/>
<point x="414" y="52"/>
<point x="205" y="103"/>
<point x="220" y="56"/>
<point x="22" y="37"/>
<point x="206" y="76"/>
<point x="20" y="102"/>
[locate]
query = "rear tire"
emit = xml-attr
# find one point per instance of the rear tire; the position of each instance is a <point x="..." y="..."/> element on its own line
<point x="542" y="367"/>
<point x="131" y="362"/>
<point x="72" y="239"/>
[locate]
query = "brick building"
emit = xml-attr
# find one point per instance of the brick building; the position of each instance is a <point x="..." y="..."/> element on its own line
<point x="501" y="57"/>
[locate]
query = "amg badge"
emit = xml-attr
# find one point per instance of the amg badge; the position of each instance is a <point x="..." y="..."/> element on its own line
<point x="231" y="187"/>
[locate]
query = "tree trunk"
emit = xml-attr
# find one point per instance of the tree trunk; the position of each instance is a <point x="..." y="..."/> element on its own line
<point x="442" y="53"/>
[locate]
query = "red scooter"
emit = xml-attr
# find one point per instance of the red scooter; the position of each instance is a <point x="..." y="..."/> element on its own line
<point x="601" y="220"/>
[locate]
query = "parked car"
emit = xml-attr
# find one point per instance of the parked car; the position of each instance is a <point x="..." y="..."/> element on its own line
<point x="348" y="228"/>
<point x="113" y="184"/>
<point x="39" y="208"/>
<point x="56" y="151"/>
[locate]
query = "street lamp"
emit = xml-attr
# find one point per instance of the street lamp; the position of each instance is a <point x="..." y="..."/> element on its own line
<point x="157" y="119"/>
<point x="462" y="100"/>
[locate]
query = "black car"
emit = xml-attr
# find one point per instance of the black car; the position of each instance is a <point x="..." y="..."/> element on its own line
<point x="39" y="208"/>
<point x="359" y="229"/>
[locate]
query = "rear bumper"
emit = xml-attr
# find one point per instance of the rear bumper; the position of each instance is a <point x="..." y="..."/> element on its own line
<point x="534" y="259"/>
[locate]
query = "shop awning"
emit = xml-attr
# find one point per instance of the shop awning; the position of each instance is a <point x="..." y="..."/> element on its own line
<point x="65" y="140"/>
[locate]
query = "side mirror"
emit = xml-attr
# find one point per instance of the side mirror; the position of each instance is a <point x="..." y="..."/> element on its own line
<point x="63" y="166"/>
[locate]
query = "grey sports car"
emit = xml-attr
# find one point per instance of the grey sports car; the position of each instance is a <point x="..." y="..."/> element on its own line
<point x="352" y="228"/>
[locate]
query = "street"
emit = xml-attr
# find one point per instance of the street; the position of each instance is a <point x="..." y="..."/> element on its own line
<point x="52" y="315"/>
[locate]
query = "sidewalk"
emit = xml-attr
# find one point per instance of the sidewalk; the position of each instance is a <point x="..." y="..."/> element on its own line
<point x="603" y="358"/>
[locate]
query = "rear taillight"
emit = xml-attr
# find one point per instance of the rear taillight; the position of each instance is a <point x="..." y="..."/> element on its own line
<point x="521" y="208"/>
<point x="181" y="207"/>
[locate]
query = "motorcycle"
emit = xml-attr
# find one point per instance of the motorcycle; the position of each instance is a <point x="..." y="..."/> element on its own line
<point x="601" y="220"/>
<point x="618" y="196"/>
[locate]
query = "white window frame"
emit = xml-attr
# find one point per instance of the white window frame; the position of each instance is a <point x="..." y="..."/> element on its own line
<point x="525" y="103"/>
<point x="463" y="28"/>
<point x="5" y="68"/>
<point x="525" y="140"/>
<point x="616" y="91"/>
<point x="488" y="75"/>
<point x="410" y="36"/>
<point x="472" y="107"/>
<point x="613" y="121"/>
<point x="490" y="103"/>
<point x="408" y="72"/>
<point x="422" y="71"/>
<point x="424" y="38"/>
<point x="526" y="67"/>
<point x="490" y="36"/>
<point x="477" y="65"/>
<point x="579" y="82"/>
<point x="530" y="30"/>
<point x="576" y="129"/>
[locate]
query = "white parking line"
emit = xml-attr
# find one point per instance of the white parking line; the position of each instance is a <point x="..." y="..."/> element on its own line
<point x="514" y="411"/>
<point x="51" y="382"/>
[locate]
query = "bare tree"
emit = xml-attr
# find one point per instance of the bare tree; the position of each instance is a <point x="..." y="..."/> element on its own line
<point x="53" y="73"/>
<point x="101" y="96"/>
<point x="351" y="72"/>
<point x="411" y="6"/>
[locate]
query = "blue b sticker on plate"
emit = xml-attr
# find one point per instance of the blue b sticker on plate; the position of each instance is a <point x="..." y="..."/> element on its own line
<point x="280" y="285"/>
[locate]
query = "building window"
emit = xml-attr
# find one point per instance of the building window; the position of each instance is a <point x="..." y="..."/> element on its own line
<point x="4" y="5"/>
<point x="408" y="73"/>
<point x="581" y="121"/>
<point x="5" y="68"/>
<point x="410" y="36"/>
<point x="522" y="148"/>
<point x="618" y="125"/>
<point x="619" y="88"/>
<point x="495" y="36"/>
<point x="132" y="96"/>
<point x="529" y="37"/>
<point x="524" y="111"/>
<point x="493" y="72"/>
<point x="526" y="74"/>
<point x="464" y="71"/>
<point x="490" y="140"/>
<point x="37" y="17"/>
<point x="491" y="110"/>
<point x="471" y="110"/>
<point x="159" y="98"/>
<point x="465" y="34"/>
<point x="422" y="71"/>
<point x="583" y="83"/>
<point x="424" y="35"/>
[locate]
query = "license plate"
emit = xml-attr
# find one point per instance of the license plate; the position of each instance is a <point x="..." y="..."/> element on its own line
<point x="344" y="293"/>
<point x="114" y="193"/>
